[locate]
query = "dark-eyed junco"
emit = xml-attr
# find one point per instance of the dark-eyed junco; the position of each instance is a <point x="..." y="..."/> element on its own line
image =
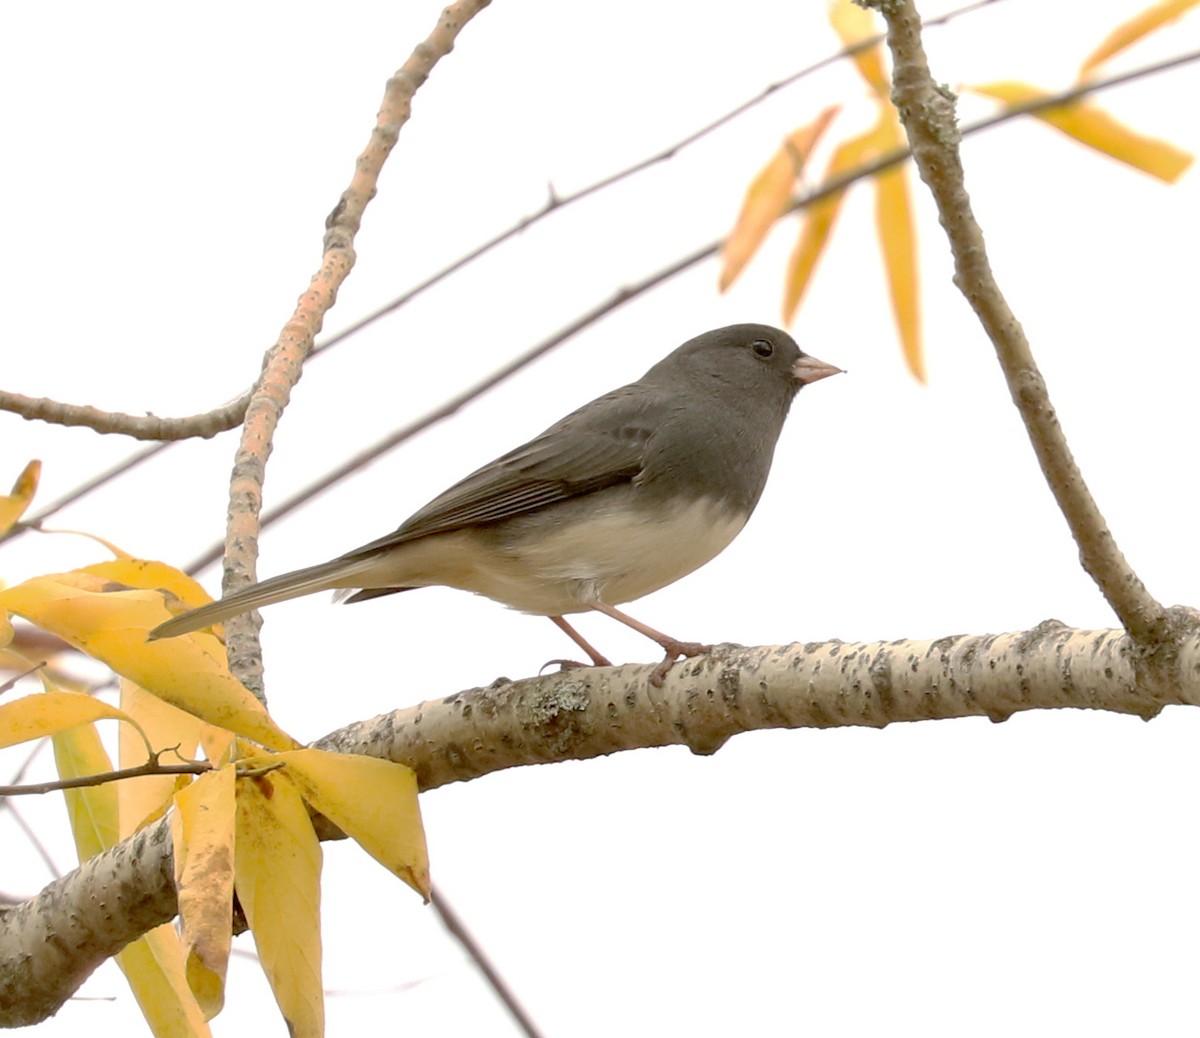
<point x="619" y="498"/>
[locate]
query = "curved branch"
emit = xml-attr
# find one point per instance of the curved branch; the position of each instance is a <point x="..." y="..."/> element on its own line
<point x="282" y="365"/>
<point x="928" y="114"/>
<point x="49" y="944"/>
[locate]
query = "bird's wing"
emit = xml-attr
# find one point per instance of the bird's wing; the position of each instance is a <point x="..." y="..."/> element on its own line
<point x="600" y="445"/>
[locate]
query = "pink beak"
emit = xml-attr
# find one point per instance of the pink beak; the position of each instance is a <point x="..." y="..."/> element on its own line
<point x="809" y="369"/>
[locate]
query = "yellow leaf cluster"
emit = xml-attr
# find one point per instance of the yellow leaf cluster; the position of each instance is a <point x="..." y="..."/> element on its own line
<point x="770" y="195"/>
<point x="241" y="823"/>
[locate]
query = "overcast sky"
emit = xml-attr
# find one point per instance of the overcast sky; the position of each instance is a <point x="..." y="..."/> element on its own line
<point x="168" y="173"/>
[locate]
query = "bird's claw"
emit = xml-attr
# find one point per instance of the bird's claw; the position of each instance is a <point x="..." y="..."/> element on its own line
<point x="674" y="650"/>
<point x="563" y="665"/>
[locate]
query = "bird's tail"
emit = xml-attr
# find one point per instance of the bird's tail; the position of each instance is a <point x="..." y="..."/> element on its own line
<point x="338" y="573"/>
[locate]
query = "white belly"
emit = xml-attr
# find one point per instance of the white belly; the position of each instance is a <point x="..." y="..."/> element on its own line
<point x="550" y="568"/>
<point x="615" y="558"/>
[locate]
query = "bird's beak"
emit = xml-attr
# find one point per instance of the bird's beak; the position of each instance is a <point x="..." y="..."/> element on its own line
<point x="809" y="369"/>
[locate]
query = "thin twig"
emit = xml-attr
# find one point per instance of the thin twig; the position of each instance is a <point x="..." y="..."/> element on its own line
<point x="557" y="202"/>
<point x="151" y="767"/>
<point x="928" y="114"/>
<point x="472" y="392"/>
<point x="627" y="294"/>
<point x="282" y="366"/>
<point x="458" y="930"/>
<point x="230" y="415"/>
<point x="84" y="488"/>
<point x="1003" y="116"/>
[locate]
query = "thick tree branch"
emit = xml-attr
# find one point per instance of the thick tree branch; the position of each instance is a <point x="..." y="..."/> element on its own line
<point x="49" y="944"/>
<point x="282" y="365"/>
<point x="928" y="114"/>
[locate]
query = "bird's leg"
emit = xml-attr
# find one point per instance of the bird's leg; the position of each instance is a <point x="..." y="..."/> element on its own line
<point x="578" y="639"/>
<point x="673" y="647"/>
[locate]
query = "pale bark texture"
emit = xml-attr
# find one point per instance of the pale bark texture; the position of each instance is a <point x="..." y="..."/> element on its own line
<point x="51" y="943"/>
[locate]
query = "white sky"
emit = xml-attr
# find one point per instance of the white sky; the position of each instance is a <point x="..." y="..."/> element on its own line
<point x="167" y="175"/>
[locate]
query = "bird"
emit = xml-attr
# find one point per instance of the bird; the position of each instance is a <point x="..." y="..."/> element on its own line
<point x="619" y="498"/>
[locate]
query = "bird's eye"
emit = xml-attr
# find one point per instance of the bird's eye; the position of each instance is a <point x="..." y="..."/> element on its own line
<point x="762" y="348"/>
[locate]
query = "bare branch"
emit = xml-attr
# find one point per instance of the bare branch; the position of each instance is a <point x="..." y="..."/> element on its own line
<point x="140" y="427"/>
<point x="928" y="114"/>
<point x="282" y="365"/>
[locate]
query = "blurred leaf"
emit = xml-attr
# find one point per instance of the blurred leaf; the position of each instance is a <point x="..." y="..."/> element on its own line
<point x="153" y="966"/>
<point x="819" y="217"/>
<point x="769" y="196"/>
<point x="202" y="832"/>
<point x="92" y="810"/>
<point x="898" y="246"/>
<point x="111" y="626"/>
<point x="372" y="801"/>
<point x="854" y="24"/>
<point x="12" y="506"/>
<point x="277" y="868"/>
<point x="1097" y="129"/>
<point x="1128" y="33"/>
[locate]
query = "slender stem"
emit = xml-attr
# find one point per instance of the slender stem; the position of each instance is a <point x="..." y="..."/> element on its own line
<point x="453" y="922"/>
<point x="928" y="114"/>
<point x="283" y="363"/>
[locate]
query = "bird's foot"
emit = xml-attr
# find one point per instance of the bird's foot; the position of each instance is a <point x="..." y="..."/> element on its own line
<point x="674" y="650"/>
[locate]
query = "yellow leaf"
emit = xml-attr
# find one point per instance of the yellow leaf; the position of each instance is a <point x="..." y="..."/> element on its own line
<point x="219" y="745"/>
<point x="13" y="506"/>
<point x="6" y="631"/>
<point x="1128" y="33"/>
<point x="898" y="245"/>
<point x="372" y="801"/>
<point x="202" y="831"/>
<point x="277" y="869"/>
<point x="1097" y="129"/>
<point x="854" y="24"/>
<point x="92" y="810"/>
<point x="177" y="587"/>
<point x="819" y="218"/>
<point x="769" y="196"/>
<point x="47" y="713"/>
<point x="111" y="626"/>
<point x="153" y="966"/>
<point x="141" y="800"/>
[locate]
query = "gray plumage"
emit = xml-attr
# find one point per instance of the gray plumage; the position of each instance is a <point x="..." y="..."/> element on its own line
<point x="619" y="498"/>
